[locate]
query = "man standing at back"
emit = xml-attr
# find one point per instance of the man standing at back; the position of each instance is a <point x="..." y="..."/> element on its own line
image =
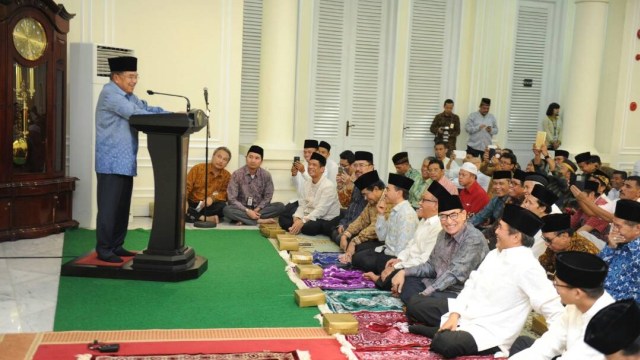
<point x="250" y="191"/>
<point x="446" y="126"/>
<point x="116" y="152"/>
<point x="481" y="126"/>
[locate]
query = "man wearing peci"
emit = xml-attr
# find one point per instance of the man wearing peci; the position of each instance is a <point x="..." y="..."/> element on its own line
<point x="115" y="156"/>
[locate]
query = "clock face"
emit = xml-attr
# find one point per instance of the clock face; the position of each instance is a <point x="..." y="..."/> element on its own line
<point x="29" y="38"/>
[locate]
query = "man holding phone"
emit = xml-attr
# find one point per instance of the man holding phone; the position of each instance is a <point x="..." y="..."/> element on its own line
<point x="481" y="126"/>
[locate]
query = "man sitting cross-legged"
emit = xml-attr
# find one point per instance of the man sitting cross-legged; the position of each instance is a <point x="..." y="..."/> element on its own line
<point x="579" y="279"/>
<point x="395" y="230"/>
<point x="558" y="236"/>
<point x="421" y="244"/>
<point x="318" y="210"/>
<point x="489" y="313"/>
<point x="459" y="250"/>
<point x="250" y="191"/>
<point x="361" y="234"/>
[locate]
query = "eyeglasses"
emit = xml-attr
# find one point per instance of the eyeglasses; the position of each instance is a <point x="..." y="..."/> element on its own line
<point x="514" y="184"/>
<point x="549" y="240"/>
<point x="555" y="283"/>
<point x="428" y="200"/>
<point x="360" y="165"/>
<point x="452" y="216"/>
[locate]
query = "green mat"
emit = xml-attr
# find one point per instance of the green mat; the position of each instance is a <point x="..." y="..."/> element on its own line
<point x="244" y="286"/>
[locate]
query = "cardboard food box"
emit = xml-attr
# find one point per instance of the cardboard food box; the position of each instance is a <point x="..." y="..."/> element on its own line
<point x="287" y="242"/>
<point x="301" y="257"/>
<point x="310" y="297"/>
<point x="309" y="272"/>
<point x="345" y="324"/>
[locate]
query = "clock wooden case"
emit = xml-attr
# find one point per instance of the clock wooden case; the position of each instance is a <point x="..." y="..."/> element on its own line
<point x="35" y="194"/>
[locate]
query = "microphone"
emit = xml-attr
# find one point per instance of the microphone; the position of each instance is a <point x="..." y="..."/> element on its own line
<point x="206" y="96"/>
<point x="151" y="92"/>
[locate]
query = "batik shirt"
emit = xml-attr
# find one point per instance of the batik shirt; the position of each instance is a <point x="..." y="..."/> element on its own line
<point x="243" y="185"/>
<point x="623" y="279"/>
<point x="398" y="229"/>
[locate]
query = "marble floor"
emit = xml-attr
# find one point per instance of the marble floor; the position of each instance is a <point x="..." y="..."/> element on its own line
<point x="29" y="276"/>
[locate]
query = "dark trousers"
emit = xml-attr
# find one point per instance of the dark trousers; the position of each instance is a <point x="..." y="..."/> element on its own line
<point x="450" y="344"/>
<point x="311" y="228"/>
<point x="522" y="343"/>
<point x="114" y="201"/>
<point x="214" y="209"/>
<point x="412" y="286"/>
<point x="370" y="260"/>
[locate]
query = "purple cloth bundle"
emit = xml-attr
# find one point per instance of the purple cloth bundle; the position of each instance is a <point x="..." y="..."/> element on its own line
<point x="336" y="278"/>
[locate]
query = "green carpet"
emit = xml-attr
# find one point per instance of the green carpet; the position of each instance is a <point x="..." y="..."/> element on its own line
<point x="244" y="286"/>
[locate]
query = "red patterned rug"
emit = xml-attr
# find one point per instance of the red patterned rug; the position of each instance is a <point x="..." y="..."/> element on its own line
<point x="240" y="356"/>
<point x="410" y="354"/>
<point x="92" y="259"/>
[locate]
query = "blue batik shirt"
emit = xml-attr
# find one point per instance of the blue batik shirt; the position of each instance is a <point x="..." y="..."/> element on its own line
<point x="623" y="279"/>
<point x="116" y="141"/>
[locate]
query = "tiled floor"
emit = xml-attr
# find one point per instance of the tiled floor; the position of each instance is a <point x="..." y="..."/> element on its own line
<point x="29" y="276"/>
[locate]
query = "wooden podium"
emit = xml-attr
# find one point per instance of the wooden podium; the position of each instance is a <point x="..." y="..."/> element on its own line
<point x="166" y="257"/>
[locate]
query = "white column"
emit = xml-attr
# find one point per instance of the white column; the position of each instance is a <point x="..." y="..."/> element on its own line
<point x="277" y="74"/>
<point x="584" y="75"/>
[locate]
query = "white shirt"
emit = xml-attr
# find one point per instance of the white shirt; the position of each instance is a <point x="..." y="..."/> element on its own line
<point x="613" y="194"/>
<point x="566" y="336"/>
<point x="498" y="297"/>
<point x="299" y="180"/>
<point x="331" y="171"/>
<point x="421" y="245"/>
<point x="320" y="201"/>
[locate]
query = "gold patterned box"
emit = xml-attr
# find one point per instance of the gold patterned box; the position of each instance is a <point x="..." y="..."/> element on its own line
<point x="266" y="229"/>
<point x="301" y="257"/>
<point x="309" y="272"/>
<point x="273" y="233"/>
<point x="287" y="242"/>
<point x="345" y="324"/>
<point x="310" y="297"/>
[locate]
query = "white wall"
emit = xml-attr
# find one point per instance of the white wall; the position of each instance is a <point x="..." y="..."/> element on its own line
<point x="184" y="46"/>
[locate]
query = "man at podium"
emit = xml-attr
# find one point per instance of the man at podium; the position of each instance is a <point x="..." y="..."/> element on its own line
<point x="115" y="156"/>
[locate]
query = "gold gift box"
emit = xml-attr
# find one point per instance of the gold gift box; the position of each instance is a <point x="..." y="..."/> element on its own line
<point x="538" y="324"/>
<point x="345" y="324"/>
<point x="287" y="242"/>
<point x="309" y="272"/>
<point x="270" y="230"/>
<point x="301" y="257"/>
<point x="310" y="297"/>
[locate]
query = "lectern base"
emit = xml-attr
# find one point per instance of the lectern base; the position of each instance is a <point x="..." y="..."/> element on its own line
<point x="127" y="271"/>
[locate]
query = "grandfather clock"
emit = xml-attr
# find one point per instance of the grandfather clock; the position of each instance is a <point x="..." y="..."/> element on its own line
<point x="35" y="194"/>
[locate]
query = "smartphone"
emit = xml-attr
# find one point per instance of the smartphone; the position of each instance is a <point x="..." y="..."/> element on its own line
<point x="296" y="159"/>
<point x="492" y="152"/>
<point x="341" y="170"/>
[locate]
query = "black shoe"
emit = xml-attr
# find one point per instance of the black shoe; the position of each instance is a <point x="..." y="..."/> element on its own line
<point x="424" y="330"/>
<point x="124" y="252"/>
<point x="112" y="258"/>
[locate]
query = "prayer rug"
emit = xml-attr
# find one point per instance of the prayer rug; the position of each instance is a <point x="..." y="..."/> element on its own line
<point x="410" y="354"/>
<point x="387" y="330"/>
<point x="335" y="278"/>
<point x="325" y="259"/>
<point x="240" y="356"/>
<point x="362" y="300"/>
<point x="319" y="243"/>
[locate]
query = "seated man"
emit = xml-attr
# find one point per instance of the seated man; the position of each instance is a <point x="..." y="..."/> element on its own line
<point x="345" y="178"/>
<point x="459" y="249"/>
<point x="580" y="221"/>
<point x="539" y="202"/>
<point x="489" y="313"/>
<point x="622" y="252"/>
<point x="404" y="168"/>
<point x="558" y="236"/>
<point x="420" y="185"/>
<point x="319" y="210"/>
<point x="361" y="233"/>
<point x="474" y="198"/>
<point x="516" y="187"/>
<point x="250" y="191"/>
<point x="451" y="167"/>
<point x="395" y="230"/>
<point x="363" y="163"/>
<point x="424" y="239"/>
<point x="578" y="281"/>
<point x="493" y="211"/>
<point x="436" y="173"/>
<point x="615" y="331"/>
<point x="217" y="181"/>
<point x="630" y="191"/>
<point x="298" y="169"/>
<point x="331" y="169"/>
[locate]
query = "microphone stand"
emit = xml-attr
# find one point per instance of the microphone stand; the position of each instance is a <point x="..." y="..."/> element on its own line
<point x="206" y="224"/>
